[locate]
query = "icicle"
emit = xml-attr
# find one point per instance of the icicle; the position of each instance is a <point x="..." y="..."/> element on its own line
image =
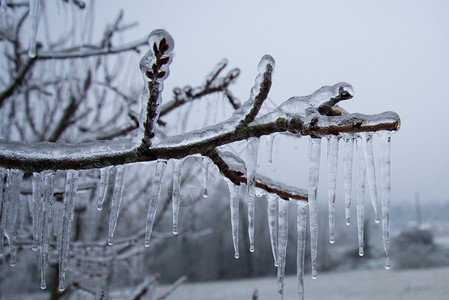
<point x="347" y="170"/>
<point x="37" y="209"/>
<point x="48" y="188"/>
<point x="234" y="205"/>
<point x="361" y="177"/>
<point x="332" y="160"/>
<point x="205" y="169"/>
<point x="4" y="6"/>
<point x="385" y="143"/>
<point x="314" y="172"/>
<point x="116" y="201"/>
<point x="252" y="147"/>
<point x="270" y="141"/>
<point x="2" y="184"/>
<point x="104" y="179"/>
<point x="176" y="193"/>
<point x="301" y="223"/>
<point x="10" y="209"/>
<point x="282" y="245"/>
<point x="273" y="209"/>
<point x="154" y="200"/>
<point x="34" y="16"/>
<point x="71" y="186"/>
<point x="367" y="144"/>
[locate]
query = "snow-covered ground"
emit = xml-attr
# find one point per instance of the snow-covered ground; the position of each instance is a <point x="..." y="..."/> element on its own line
<point x="370" y="284"/>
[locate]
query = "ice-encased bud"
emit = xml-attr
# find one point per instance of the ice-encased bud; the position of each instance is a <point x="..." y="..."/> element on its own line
<point x="156" y="36"/>
<point x="266" y="60"/>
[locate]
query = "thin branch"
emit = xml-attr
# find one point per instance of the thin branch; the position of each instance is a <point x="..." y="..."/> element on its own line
<point x="262" y="95"/>
<point x="9" y="91"/>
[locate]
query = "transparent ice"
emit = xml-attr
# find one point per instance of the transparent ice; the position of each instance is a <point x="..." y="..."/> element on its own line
<point x="104" y="179"/>
<point x="34" y="17"/>
<point x="71" y="188"/>
<point x="177" y="169"/>
<point x="347" y="170"/>
<point x="252" y="147"/>
<point x="234" y="202"/>
<point x="282" y="245"/>
<point x="38" y="190"/>
<point x="301" y="223"/>
<point x="154" y="199"/>
<point x="116" y="201"/>
<point x="361" y="177"/>
<point x="47" y="208"/>
<point x="205" y="171"/>
<point x="367" y="145"/>
<point x="332" y="161"/>
<point x="273" y="223"/>
<point x="385" y="169"/>
<point x="314" y="172"/>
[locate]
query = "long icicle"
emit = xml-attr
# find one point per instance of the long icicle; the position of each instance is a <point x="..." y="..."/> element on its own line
<point x="48" y="186"/>
<point x="10" y="209"/>
<point x="314" y="172"/>
<point x="270" y="142"/>
<point x="347" y="174"/>
<point x="301" y="223"/>
<point x="176" y="193"/>
<point x="251" y="166"/>
<point x="273" y="224"/>
<point x="104" y="180"/>
<point x="205" y="171"/>
<point x="282" y="245"/>
<point x="37" y="209"/>
<point x="34" y="16"/>
<point x="234" y="202"/>
<point x="154" y="200"/>
<point x="367" y="144"/>
<point x="361" y="177"/>
<point x="71" y="186"/>
<point x="116" y="201"/>
<point x="332" y="161"/>
<point x="2" y="184"/>
<point x="385" y="167"/>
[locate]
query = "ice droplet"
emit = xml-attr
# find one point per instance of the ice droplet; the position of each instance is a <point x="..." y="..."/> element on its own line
<point x="273" y="223"/>
<point x="332" y="160"/>
<point x="177" y="169"/>
<point x="361" y="174"/>
<point x="116" y="201"/>
<point x="267" y="61"/>
<point x="156" y="36"/>
<point x="282" y="244"/>
<point x="234" y="201"/>
<point x="314" y="172"/>
<point x="34" y="17"/>
<point x="71" y="188"/>
<point x="251" y="166"/>
<point x="154" y="200"/>
<point x="301" y="223"/>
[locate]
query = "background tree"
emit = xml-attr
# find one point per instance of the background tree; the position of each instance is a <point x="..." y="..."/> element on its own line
<point x="65" y="92"/>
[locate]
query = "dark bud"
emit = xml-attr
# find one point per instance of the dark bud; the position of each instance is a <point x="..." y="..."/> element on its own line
<point x="161" y="74"/>
<point x="164" y="60"/>
<point x="155" y="48"/>
<point x="149" y="74"/>
<point x="163" y="46"/>
<point x="154" y="67"/>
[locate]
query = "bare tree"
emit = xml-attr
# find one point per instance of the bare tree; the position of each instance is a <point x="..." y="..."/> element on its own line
<point x="63" y="110"/>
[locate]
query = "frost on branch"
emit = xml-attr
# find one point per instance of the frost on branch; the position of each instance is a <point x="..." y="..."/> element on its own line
<point x="314" y="116"/>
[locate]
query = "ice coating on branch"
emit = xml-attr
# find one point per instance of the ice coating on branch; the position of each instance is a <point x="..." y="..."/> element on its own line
<point x="154" y="200"/>
<point x="34" y="20"/>
<point x="282" y="245"/>
<point x="216" y="70"/>
<point x="270" y="141"/>
<point x="322" y="100"/>
<point x="347" y="174"/>
<point x="116" y="201"/>
<point x="177" y="169"/>
<point x="47" y="208"/>
<point x="71" y="186"/>
<point x="205" y="171"/>
<point x="273" y="224"/>
<point x="252" y="150"/>
<point x="10" y="209"/>
<point x="301" y="223"/>
<point x="367" y="145"/>
<point x="234" y="202"/>
<point x="385" y="170"/>
<point x="38" y="189"/>
<point x="332" y="161"/>
<point x="361" y="177"/>
<point x="154" y="66"/>
<point x="314" y="173"/>
<point x="104" y="179"/>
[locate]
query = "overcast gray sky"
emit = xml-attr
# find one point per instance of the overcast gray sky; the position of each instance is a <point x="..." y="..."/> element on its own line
<point x="394" y="53"/>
